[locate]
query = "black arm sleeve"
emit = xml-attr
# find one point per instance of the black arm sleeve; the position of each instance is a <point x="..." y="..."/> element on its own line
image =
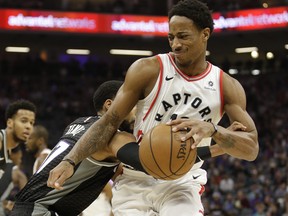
<point x="129" y="154"/>
<point x="203" y="153"/>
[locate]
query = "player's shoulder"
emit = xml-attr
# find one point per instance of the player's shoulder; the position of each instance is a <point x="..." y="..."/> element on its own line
<point x="143" y="73"/>
<point x="147" y="63"/>
<point x="229" y="81"/>
<point x="232" y="89"/>
<point x="85" y="119"/>
<point x="145" y="68"/>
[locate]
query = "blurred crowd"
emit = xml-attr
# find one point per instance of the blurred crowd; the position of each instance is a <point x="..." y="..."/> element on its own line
<point x="147" y="7"/>
<point x="259" y="188"/>
<point x="62" y="91"/>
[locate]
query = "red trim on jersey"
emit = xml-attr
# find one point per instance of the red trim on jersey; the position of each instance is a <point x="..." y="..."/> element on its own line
<point x="221" y="93"/>
<point x="202" y="189"/>
<point x="159" y="87"/>
<point x="185" y="76"/>
<point x="202" y="212"/>
<point x="139" y="136"/>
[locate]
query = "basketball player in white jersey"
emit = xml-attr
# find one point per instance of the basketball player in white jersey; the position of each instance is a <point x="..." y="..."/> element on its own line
<point x="180" y="84"/>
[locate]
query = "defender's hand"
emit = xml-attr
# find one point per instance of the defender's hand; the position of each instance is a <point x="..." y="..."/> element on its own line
<point x="196" y="129"/>
<point x="237" y="126"/>
<point x="59" y="175"/>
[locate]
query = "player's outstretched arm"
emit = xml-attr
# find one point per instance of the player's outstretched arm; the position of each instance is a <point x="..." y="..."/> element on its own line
<point x="97" y="137"/>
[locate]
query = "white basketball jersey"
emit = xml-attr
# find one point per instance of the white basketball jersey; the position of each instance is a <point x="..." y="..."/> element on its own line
<point x="180" y="95"/>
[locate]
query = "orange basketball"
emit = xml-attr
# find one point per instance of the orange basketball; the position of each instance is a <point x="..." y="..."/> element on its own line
<point x="163" y="155"/>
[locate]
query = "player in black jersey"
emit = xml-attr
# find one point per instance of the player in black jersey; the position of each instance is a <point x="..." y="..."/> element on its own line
<point x="90" y="176"/>
<point x="20" y="118"/>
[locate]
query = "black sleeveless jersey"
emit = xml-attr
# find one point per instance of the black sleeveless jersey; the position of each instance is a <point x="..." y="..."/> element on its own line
<point x="3" y="151"/>
<point x="81" y="189"/>
<point x="6" y="167"/>
<point x="5" y="179"/>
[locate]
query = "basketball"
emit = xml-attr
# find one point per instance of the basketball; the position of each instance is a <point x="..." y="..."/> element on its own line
<point x="163" y="155"/>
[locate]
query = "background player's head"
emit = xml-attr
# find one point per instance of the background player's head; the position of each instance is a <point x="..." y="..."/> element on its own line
<point x="103" y="98"/>
<point x="20" y="118"/>
<point x="38" y="140"/>
<point x="105" y="94"/>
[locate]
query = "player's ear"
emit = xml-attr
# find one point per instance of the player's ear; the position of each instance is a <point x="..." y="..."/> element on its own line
<point x="9" y="123"/>
<point x="107" y="104"/>
<point x="206" y="34"/>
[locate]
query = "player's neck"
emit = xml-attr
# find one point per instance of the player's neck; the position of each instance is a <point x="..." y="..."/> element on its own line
<point x="10" y="140"/>
<point x="100" y="113"/>
<point x="195" y="68"/>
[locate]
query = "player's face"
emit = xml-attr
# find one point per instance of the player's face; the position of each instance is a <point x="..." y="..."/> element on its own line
<point x="187" y="42"/>
<point x="22" y="124"/>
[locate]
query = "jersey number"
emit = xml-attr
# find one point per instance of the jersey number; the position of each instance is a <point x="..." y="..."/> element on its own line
<point x="57" y="150"/>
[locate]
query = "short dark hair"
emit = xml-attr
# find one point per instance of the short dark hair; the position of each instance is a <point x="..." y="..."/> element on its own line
<point x="194" y="10"/>
<point x="41" y="131"/>
<point x="106" y="90"/>
<point x="13" y="107"/>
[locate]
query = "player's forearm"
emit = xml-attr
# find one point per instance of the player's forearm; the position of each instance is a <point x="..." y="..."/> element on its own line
<point x="242" y="145"/>
<point x="206" y="152"/>
<point x="216" y="150"/>
<point x="96" y="138"/>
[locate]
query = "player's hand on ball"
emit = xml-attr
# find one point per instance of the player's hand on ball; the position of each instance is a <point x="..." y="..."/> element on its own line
<point x="196" y="129"/>
<point x="59" y="175"/>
